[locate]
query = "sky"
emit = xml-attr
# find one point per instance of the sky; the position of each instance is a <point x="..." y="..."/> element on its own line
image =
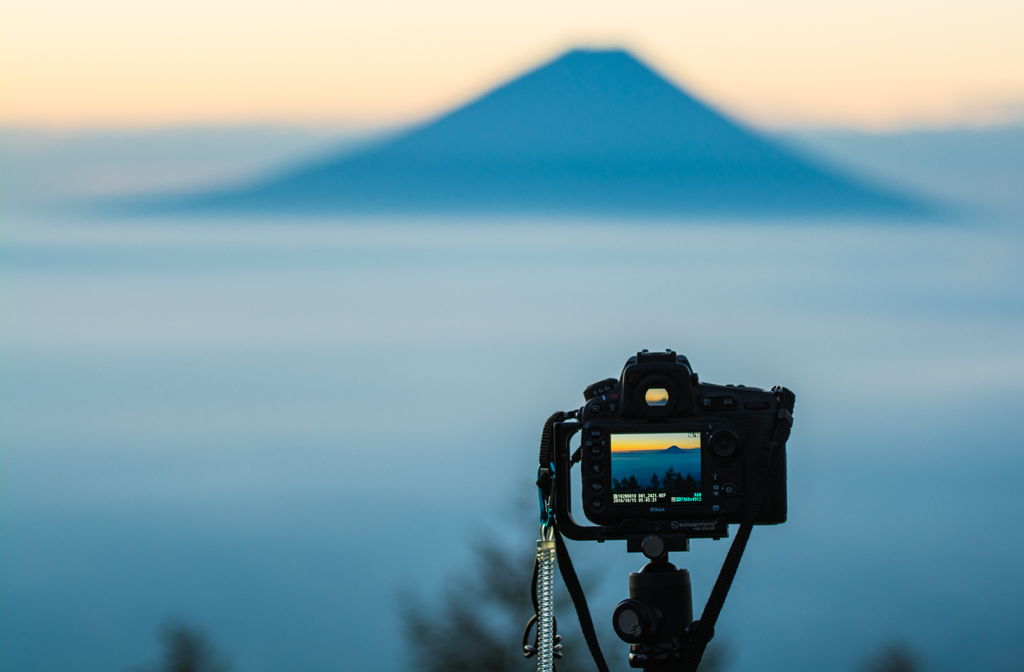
<point x="70" y="64"/>
<point x="631" y="443"/>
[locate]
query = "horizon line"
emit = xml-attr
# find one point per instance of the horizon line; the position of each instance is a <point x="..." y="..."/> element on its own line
<point x="370" y="128"/>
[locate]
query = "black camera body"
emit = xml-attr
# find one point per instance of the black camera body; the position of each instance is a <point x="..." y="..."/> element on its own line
<point x="663" y="453"/>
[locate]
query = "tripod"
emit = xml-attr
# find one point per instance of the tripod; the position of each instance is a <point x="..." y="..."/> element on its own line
<point x="655" y="619"/>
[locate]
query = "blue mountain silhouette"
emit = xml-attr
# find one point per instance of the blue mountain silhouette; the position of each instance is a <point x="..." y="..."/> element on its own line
<point x="590" y="132"/>
<point x="672" y="449"/>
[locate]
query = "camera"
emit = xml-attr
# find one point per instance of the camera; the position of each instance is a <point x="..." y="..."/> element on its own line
<point x="664" y="458"/>
<point x="663" y="453"/>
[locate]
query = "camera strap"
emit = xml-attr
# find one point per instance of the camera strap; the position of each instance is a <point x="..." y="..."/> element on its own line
<point x="545" y="476"/>
<point x="579" y="600"/>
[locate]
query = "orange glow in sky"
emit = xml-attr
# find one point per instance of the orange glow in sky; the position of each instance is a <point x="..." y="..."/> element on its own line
<point x="70" y="63"/>
<point x="634" y="443"/>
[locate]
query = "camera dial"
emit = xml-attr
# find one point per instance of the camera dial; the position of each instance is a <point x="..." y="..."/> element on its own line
<point x="724" y="443"/>
<point x="634" y="621"/>
<point x="599" y="388"/>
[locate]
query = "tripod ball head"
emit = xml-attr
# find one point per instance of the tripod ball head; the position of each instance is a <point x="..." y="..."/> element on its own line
<point x="655" y="617"/>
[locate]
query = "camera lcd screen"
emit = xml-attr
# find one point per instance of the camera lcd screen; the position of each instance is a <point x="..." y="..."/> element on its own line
<point x="656" y="468"/>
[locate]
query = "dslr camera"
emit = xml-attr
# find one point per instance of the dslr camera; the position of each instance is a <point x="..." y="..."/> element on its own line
<point x="665" y="454"/>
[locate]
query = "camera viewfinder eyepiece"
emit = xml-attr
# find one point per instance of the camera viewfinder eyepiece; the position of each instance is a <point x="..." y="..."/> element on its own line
<point x="656" y="385"/>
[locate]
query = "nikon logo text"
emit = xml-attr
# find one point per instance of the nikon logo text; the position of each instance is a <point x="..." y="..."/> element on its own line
<point x="656" y="508"/>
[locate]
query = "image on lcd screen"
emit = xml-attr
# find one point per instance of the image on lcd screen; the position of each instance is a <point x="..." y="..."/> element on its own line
<point x="656" y="468"/>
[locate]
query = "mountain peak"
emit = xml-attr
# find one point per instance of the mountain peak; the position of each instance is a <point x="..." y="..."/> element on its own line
<point x="593" y="131"/>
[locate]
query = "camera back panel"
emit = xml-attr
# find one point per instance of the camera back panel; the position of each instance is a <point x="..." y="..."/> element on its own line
<point x="657" y="445"/>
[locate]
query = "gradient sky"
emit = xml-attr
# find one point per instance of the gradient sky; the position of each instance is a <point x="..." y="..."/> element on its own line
<point x="633" y="443"/>
<point x="869" y="64"/>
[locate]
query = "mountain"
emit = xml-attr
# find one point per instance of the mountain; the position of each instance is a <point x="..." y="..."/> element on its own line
<point x="673" y="449"/>
<point x="592" y="132"/>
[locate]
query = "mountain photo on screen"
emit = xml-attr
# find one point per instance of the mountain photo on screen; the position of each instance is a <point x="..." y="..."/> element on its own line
<point x="649" y="468"/>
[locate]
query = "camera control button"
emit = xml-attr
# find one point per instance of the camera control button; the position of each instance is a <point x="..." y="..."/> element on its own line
<point x="595" y="432"/>
<point x="596" y="469"/>
<point x="596" y="503"/>
<point x="718" y="403"/>
<point x="716" y="477"/>
<point x="730" y="490"/>
<point x="653" y="547"/>
<point x="596" y="487"/>
<point x="724" y="443"/>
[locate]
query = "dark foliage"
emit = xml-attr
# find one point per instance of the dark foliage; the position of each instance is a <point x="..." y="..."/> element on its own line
<point x="894" y="658"/>
<point x="186" y="648"/>
<point x="672" y="483"/>
<point x="477" y="624"/>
